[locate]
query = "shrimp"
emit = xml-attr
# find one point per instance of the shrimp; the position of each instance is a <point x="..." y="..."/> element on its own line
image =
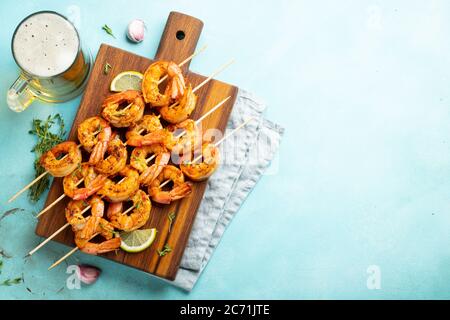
<point x="149" y="123"/>
<point x="176" y="83"/>
<point x="89" y="130"/>
<point x="116" y="159"/>
<point x="179" y="190"/>
<point x="180" y="111"/>
<point x="116" y="192"/>
<point x="162" y="136"/>
<point x="86" y="228"/>
<point x="75" y="208"/>
<point x="61" y="166"/>
<point x="74" y="216"/>
<point x="138" y="217"/>
<point x="138" y="161"/>
<point x="98" y="226"/>
<point x="71" y="181"/>
<point x="98" y="248"/>
<point x="200" y="171"/>
<point x="190" y="141"/>
<point x="100" y="148"/>
<point x="123" y="117"/>
<point x="150" y="83"/>
<point x="97" y="211"/>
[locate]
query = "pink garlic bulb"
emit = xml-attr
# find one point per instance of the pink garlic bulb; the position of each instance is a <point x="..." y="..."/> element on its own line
<point x="136" y="30"/>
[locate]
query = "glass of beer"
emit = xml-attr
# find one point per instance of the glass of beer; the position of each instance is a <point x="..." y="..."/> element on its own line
<point x="53" y="66"/>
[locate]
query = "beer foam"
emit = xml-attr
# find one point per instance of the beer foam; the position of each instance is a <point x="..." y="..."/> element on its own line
<point x="45" y="44"/>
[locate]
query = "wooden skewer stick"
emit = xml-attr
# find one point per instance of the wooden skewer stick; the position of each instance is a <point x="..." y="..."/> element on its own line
<point x="51" y="205"/>
<point x="217" y="106"/>
<point x="63" y="258"/>
<point x="68" y="254"/>
<point x="227" y="136"/>
<point x="226" y="65"/>
<point x="27" y="187"/>
<point x="43" y="243"/>
<point x="160" y="81"/>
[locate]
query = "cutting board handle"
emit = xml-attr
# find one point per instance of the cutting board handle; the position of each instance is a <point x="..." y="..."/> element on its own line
<point x="179" y="38"/>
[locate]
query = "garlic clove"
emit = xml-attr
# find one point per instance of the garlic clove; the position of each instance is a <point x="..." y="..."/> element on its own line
<point x="88" y="274"/>
<point x="136" y="30"/>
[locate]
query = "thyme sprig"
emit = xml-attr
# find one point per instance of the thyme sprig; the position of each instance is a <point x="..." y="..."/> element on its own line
<point x="167" y="249"/>
<point x="8" y="213"/>
<point x="107" y="68"/>
<point x="171" y="216"/>
<point x="46" y="140"/>
<point x="10" y="282"/>
<point x="108" y="30"/>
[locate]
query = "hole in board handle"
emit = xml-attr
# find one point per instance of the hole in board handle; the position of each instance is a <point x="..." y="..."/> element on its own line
<point x="180" y="35"/>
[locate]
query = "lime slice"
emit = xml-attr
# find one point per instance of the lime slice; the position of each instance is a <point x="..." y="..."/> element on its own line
<point x="137" y="240"/>
<point x="127" y="80"/>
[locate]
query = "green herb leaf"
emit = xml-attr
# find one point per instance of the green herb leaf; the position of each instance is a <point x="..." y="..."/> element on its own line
<point x="138" y="204"/>
<point x="167" y="249"/>
<point x="106" y="68"/>
<point x="46" y="140"/>
<point x="10" y="282"/>
<point x="8" y="213"/>
<point x="108" y="30"/>
<point x="171" y="217"/>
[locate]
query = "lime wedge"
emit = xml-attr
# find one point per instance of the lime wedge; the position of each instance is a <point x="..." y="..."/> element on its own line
<point x="137" y="240"/>
<point x="127" y="80"/>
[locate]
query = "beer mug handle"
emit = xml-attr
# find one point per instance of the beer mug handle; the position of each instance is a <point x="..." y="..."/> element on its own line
<point x="19" y="95"/>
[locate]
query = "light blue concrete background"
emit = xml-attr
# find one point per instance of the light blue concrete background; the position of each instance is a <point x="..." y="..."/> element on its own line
<point x="362" y="88"/>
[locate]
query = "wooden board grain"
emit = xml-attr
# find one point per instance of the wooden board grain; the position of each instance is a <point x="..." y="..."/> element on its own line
<point x="170" y="48"/>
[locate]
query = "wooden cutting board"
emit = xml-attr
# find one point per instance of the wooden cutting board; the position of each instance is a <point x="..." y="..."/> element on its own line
<point x="177" y="43"/>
